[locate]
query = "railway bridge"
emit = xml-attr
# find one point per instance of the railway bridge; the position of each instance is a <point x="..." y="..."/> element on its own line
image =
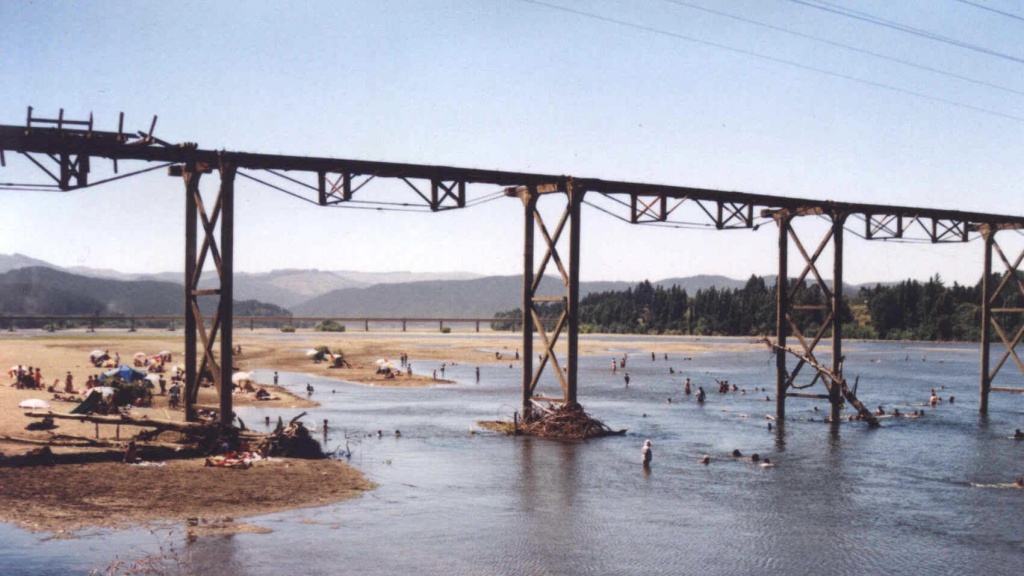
<point x="65" y="151"/>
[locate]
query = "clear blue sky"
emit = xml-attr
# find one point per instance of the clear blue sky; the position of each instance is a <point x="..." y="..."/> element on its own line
<point x="651" y="91"/>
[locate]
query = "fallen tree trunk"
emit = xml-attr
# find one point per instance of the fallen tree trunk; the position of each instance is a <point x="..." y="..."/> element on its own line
<point x="183" y="427"/>
<point x="848" y="394"/>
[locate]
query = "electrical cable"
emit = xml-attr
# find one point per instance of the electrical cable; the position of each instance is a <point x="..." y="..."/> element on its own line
<point x="990" y="9"/>
<point x="847" y="47"/>
<point x="865" y="17"/>
<point x="794" y="64"/>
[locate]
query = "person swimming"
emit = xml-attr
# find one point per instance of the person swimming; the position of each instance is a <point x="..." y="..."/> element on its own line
<point x="705" y="460"/>
<point x="737" y="454"/>
<point x="1018" y="435"/>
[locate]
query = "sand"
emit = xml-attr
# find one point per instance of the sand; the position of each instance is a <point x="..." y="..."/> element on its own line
<point x="71" y="497"/>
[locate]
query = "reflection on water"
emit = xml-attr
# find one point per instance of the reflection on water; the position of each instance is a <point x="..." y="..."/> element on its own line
<point x="841" y="500"/>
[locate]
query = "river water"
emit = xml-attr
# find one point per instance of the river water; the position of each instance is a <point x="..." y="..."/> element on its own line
<point x="917" y="496"/>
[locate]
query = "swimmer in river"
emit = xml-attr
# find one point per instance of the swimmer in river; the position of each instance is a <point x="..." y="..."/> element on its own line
<point x="767" y="463"/>
<point x="737" y="454"/>
<point x="647" y="453"/>
<point x="705" y="460"/>
<point x="1018" y="435"/>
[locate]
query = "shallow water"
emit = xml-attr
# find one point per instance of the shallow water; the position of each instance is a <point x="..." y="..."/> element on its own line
<point x="914" y="497"/>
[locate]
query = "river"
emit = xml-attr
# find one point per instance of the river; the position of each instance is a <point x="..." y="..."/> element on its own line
<point x="917" y="496"/>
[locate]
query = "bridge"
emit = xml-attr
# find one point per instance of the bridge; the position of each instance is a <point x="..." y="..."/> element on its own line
<point x="64" y="151"/>
<point x="93" y="322"/>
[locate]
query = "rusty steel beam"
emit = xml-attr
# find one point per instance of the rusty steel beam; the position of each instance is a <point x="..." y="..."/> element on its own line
<point x="115" y="145"/>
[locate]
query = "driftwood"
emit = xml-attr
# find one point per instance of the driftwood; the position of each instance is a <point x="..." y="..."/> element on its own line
<point x="863" y="410"/>
<point x="568" y="421"/>
<point x="124" y="420"/>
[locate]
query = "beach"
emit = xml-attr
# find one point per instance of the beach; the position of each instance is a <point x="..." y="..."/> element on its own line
<point x="71" y="497"/>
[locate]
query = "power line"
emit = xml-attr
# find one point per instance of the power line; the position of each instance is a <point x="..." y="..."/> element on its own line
<point x="846" y="47"/>
<point x="865" y="17"/>
<point x="849" y="77"/>
<point x="990" y="9"/>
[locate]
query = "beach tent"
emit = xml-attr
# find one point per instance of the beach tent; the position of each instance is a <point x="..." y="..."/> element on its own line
<point x="127" y="373"/>
<point x="239" y="377"/>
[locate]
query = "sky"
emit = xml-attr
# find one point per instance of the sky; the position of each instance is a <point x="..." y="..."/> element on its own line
<point x="782" y="97"/>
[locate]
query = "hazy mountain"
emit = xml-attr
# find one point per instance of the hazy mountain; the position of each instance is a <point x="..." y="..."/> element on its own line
<point x="704" y="281"/>
<point x="10" y="262"/>
<point x="475" y="298"/>
<point x="41" y="290"/>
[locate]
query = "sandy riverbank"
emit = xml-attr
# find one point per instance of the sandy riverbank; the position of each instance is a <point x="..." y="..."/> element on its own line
<point x="52" y="499"/>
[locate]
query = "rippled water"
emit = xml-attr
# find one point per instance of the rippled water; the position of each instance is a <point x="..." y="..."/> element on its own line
<point x="854" y="501"/>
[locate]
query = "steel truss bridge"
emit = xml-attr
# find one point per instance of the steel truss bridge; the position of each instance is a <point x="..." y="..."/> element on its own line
<point x="65" y="150"/>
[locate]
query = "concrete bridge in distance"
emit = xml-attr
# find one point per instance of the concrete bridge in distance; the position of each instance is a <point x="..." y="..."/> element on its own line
<point x="92" y="322"/>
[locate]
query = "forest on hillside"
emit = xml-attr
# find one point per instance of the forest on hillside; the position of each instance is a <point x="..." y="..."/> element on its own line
<point x="908" y="310"/>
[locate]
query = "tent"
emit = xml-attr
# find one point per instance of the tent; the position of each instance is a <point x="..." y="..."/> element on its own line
<point x="125" y="372"/>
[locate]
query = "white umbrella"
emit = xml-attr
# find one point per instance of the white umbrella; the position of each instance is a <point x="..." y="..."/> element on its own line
<point x="164" y="352"/>
<point x="34" y="403"/>
<point x="154" y="378"/>
<point x="239" y="377"/>
<point x="105" y="390"/>
<point x="382" y="361"/>
<point x="310" y="352"/>
<point x="140" y="354"/>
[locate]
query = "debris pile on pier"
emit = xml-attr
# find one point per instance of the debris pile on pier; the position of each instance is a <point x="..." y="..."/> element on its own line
<point x="569" y="421"/>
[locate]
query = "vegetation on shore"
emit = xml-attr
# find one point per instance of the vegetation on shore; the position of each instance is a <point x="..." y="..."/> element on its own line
<point x="908" y="310"/>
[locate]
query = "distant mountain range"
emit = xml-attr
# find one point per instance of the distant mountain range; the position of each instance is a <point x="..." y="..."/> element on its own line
<point x="32" y="286"/>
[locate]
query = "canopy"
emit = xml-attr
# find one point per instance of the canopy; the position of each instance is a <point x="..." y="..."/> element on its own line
<point x="127" y="373"/>
<point x="239" y="377"/>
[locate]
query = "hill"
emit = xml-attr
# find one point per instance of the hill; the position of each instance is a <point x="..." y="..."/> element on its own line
<point x="475" y="298"/>
<point x="41" y="290"/>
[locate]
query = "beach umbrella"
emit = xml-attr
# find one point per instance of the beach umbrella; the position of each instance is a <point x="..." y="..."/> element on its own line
<point x="96" y="353"/>
<point x="163" y="352"/>
<point x="310" y="352"/>
<point x="239" y="377"/>
<point x="382" y="361"/>
<point x="104" y="390"/>
<point x="140" y="355"/>
<point x="154" y="378"/>
<point x="34" y="403"/>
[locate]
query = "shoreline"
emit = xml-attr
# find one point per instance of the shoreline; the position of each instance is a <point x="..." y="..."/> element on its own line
<point x="51" y="499"/>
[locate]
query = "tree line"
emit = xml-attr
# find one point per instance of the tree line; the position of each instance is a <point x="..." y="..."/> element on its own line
<point x="907" y="310"/>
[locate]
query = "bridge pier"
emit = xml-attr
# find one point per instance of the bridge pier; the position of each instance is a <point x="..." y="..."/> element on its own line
<point x="222" y="251"/>
<point x="789" y="313"/>
<point x="568" y="321"/>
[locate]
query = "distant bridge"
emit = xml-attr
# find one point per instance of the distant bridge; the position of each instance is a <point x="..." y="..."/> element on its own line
<point x="94" y="322"/>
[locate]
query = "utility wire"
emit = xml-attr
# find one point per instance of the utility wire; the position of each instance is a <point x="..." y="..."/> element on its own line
<point x="990" y="9"/>
<point x="865" y="17"/>
<point x="846" y="46"/>
<point x="849" y="77"/>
